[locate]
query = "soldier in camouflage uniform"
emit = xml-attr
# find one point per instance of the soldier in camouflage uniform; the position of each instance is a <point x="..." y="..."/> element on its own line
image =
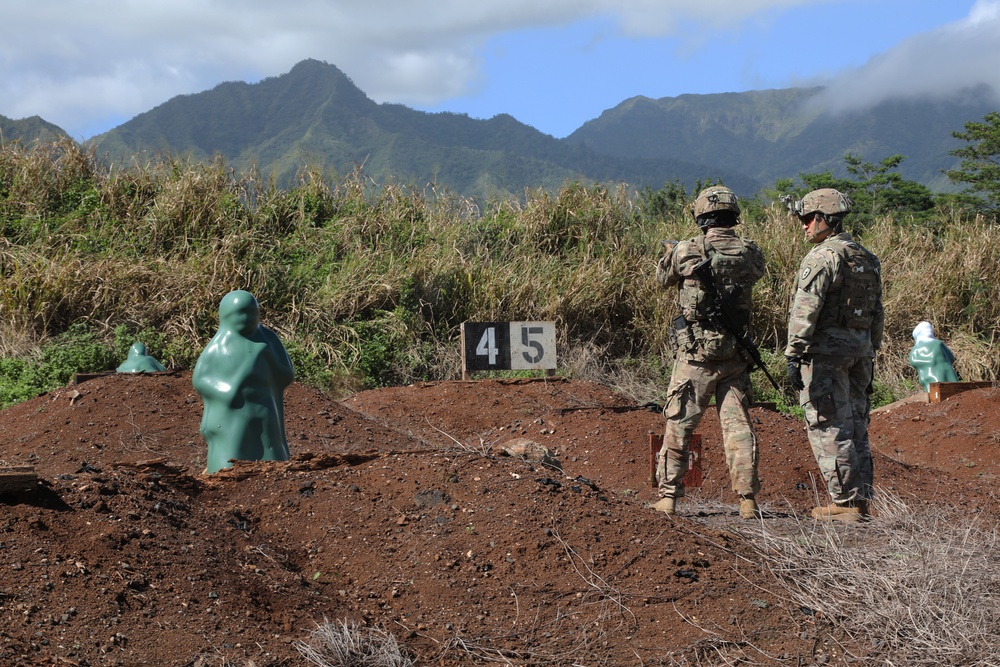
<point x="834" y="330"/>
<point x="709" y="362"/>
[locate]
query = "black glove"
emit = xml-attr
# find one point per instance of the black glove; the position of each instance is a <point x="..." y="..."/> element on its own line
<point x="795" y="372"/>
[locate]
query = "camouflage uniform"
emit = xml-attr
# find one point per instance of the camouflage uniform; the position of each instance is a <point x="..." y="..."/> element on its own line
<point x="709" y="361"/>
<point x="835" y="326"/>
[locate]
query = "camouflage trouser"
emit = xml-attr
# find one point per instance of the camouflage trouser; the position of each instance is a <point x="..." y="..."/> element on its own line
<point x="692" y="386"/>
<point x="837" y="407"/>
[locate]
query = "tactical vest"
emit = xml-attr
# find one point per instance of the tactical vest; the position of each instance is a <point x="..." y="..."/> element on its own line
<point x="734" y="276"/>
<point x="853" y="305"/>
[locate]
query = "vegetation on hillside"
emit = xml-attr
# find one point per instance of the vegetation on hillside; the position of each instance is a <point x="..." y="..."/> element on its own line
<point x="29" y="130"/>
<point x="980" y="166"/>
<point x="368" y="284"/>
<point x="315" y="115"/>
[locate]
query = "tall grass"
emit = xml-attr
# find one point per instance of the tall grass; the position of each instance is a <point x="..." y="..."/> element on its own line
<point x="367" y="283"/>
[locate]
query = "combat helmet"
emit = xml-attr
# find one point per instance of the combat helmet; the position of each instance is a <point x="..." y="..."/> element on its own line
<point x="831" y="203"/>
<point x="716" y="205"/>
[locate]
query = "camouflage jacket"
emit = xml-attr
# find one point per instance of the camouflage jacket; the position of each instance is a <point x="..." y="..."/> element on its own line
<point x="738" y="264"/>
<point x="827" y="292"/>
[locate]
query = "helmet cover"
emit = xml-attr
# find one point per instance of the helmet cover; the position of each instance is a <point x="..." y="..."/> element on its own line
<point x="826" y="201"/>
<point x="715" y="198"/>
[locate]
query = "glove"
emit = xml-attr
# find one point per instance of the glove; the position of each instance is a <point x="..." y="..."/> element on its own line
<point x="795" y="373"/>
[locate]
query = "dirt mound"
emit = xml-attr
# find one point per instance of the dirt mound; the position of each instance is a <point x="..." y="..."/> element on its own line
<point x="401" y="509"/>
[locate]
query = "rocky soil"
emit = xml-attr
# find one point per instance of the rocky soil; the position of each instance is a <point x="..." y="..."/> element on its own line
<point x="401" y="510"/>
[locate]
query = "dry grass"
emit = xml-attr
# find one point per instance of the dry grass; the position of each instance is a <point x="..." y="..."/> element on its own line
<point x="156" y="246"/>
<point x="915" y="586"/>
<point x="347" y="644"/>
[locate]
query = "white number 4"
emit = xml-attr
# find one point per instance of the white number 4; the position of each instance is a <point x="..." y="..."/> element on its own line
<point x="488" y="345"/>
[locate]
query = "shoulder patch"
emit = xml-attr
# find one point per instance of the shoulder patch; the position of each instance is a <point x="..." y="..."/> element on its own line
<point x="812" y="266"/>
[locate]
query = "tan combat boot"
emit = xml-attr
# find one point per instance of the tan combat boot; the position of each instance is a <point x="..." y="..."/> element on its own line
<point x="850" y="512"/>
<point x="665" y="505"/>
<point x="748" y="508"/>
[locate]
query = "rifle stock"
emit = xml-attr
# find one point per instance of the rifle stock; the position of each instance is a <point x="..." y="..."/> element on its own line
<point x="731" y="319"/>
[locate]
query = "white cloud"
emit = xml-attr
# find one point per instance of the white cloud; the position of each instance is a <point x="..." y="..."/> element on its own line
<point x="945" y="61"/>
<point x="77" y="62"/>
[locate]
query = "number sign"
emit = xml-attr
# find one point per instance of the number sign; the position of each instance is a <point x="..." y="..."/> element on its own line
<point x="494" y="346"/>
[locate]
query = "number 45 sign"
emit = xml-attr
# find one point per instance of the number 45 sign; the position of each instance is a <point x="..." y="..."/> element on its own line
<point x="496" y="346"/>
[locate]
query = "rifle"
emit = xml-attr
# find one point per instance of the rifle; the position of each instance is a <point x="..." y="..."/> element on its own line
<point x="730" y="318"/>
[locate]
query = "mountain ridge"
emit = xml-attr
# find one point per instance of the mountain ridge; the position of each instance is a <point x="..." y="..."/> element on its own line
<point x="314" y="116"/>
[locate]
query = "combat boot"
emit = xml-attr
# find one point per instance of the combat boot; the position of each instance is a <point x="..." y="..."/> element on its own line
<point x="665" y="505"/>
<point x="850" y="512"/>
<point x="748" y="507"/>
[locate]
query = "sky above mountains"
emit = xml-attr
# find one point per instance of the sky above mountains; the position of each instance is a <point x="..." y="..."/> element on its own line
<point x="89" y="66"/>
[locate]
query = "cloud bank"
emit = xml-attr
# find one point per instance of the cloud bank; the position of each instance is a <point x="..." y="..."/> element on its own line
<point x="87" y="65"/>
<point x="944" y="62"/>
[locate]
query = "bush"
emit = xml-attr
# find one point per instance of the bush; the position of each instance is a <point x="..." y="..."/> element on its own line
<point x="78" y="350"/>
<point x="346" y="644"/>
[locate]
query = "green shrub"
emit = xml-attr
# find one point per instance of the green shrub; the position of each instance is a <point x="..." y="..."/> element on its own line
<point x="78" y="350"/>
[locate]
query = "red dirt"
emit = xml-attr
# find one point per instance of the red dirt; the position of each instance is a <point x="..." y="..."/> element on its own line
<point x="398" y="510"/>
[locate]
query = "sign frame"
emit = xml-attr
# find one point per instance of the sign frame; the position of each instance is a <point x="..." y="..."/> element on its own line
<point x="501" y="346"/>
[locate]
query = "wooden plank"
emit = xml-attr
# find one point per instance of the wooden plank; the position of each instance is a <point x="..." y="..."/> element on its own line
<point x="79" y="378"/>
<point x="940" y="391"/>
<point x="693" y="477"/>
<point x="14" y="479"/>
<point x="654" y="447"/>
<point x="466" y="375"/>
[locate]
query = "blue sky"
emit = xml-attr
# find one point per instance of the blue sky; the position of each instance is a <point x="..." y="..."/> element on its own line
<point x="89" y="65"/>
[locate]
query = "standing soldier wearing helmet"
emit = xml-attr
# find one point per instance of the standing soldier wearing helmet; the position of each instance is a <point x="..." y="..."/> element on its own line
<point x="709" y="361"/>
<point x="834" y="330"/>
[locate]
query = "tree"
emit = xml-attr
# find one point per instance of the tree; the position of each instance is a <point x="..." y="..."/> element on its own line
<point x="669" y="201"/>
<point x="980" y="166"/>
<point x="875" y="190"/>
<point x="882" y="191"/>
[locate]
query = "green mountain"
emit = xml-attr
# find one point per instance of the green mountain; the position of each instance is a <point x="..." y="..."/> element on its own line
<point x="315" y="116"/>
<point x="29" y="130"/>
<point x="773" y="134"/>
